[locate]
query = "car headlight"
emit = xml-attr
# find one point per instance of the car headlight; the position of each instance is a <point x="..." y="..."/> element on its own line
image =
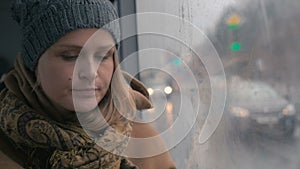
<point x="168" y="89"/>
<point x="289" y="110"/>
<point x="239" y="112"/>
<point x="150" y="91"/>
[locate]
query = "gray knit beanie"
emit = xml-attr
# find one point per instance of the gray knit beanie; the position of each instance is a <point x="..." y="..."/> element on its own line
<point x="43" y="22"/>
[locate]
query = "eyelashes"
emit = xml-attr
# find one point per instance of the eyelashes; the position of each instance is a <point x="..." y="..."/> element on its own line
<point x="71" y="58"/>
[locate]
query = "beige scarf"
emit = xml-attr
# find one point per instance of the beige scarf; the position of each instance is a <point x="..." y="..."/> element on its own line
<point x="37" y="126"/>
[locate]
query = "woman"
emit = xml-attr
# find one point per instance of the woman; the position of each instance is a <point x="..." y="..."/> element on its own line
<point x="66" y="103"/>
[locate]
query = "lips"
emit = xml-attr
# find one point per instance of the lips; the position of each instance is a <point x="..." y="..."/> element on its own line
<point x="90" y="92"/>
<point x="90" y="89"/>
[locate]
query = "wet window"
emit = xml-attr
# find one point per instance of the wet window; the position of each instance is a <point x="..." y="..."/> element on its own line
<point x="223" y="77"/>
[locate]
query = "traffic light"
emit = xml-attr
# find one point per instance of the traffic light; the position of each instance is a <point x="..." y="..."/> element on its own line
<point x="177" y="62"/>
<point x="233" y="24"/>
<point x="235" y="46"/>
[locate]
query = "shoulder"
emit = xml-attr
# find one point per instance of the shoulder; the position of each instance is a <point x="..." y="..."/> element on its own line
<point x="163" y="160"/>
<point x="10" y="157"/>
<point x="7" y="162"/>
<point x="143" y="130"/>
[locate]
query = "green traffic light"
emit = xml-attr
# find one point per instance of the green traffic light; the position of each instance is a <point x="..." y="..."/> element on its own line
<point x="235" y="46"/>
<point x="233" y="26"/>
<point x="177" y="62"/>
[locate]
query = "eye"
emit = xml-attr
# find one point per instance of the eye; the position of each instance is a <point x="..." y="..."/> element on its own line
<point x="102" y="57"/>
<point x="105" y="57"/>
<point x="69" y="57"/>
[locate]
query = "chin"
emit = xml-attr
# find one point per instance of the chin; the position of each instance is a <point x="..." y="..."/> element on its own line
<point x="85" y="105"/>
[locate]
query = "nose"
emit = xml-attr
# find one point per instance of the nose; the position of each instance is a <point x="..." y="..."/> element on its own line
<point x="87" y="69"/>
<point x="88" y="74"/>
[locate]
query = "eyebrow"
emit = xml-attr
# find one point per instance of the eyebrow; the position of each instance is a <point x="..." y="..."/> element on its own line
<point x="69" y="46"/>
<point x="101" y="48"/>
<point x="107" y="51"/>
<point x="105" y="48"/>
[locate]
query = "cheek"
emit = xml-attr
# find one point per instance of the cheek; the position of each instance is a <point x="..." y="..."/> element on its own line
<point x="54" y="79"/>
<point x="106" y="73"/>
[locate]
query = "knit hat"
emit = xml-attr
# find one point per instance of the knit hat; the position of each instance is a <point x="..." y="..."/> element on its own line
<point x="43" y="22"/>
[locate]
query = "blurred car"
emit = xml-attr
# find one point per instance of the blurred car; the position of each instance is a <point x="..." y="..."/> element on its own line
<point x="158" y="82"/>
<point x="256" y="106"/>
<point x="163" y="87"/>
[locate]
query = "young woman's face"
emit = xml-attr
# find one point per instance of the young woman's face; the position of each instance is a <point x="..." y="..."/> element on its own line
<point x="71" y="73"/>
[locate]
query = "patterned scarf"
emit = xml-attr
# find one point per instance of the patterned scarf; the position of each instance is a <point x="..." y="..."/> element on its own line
<point x="50" y="136"/>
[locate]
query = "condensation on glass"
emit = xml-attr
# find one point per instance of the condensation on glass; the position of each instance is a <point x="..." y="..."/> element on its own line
<point x="258" y="44"/>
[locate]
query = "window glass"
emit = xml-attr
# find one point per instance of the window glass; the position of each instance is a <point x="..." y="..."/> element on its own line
<point x="191" y="52"/>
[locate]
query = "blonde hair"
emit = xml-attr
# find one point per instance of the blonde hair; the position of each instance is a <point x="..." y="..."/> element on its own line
<point x="117" y="102"/>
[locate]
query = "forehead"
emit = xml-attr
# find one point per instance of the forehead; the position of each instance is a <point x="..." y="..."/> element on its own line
<point x="87" y="38"/>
